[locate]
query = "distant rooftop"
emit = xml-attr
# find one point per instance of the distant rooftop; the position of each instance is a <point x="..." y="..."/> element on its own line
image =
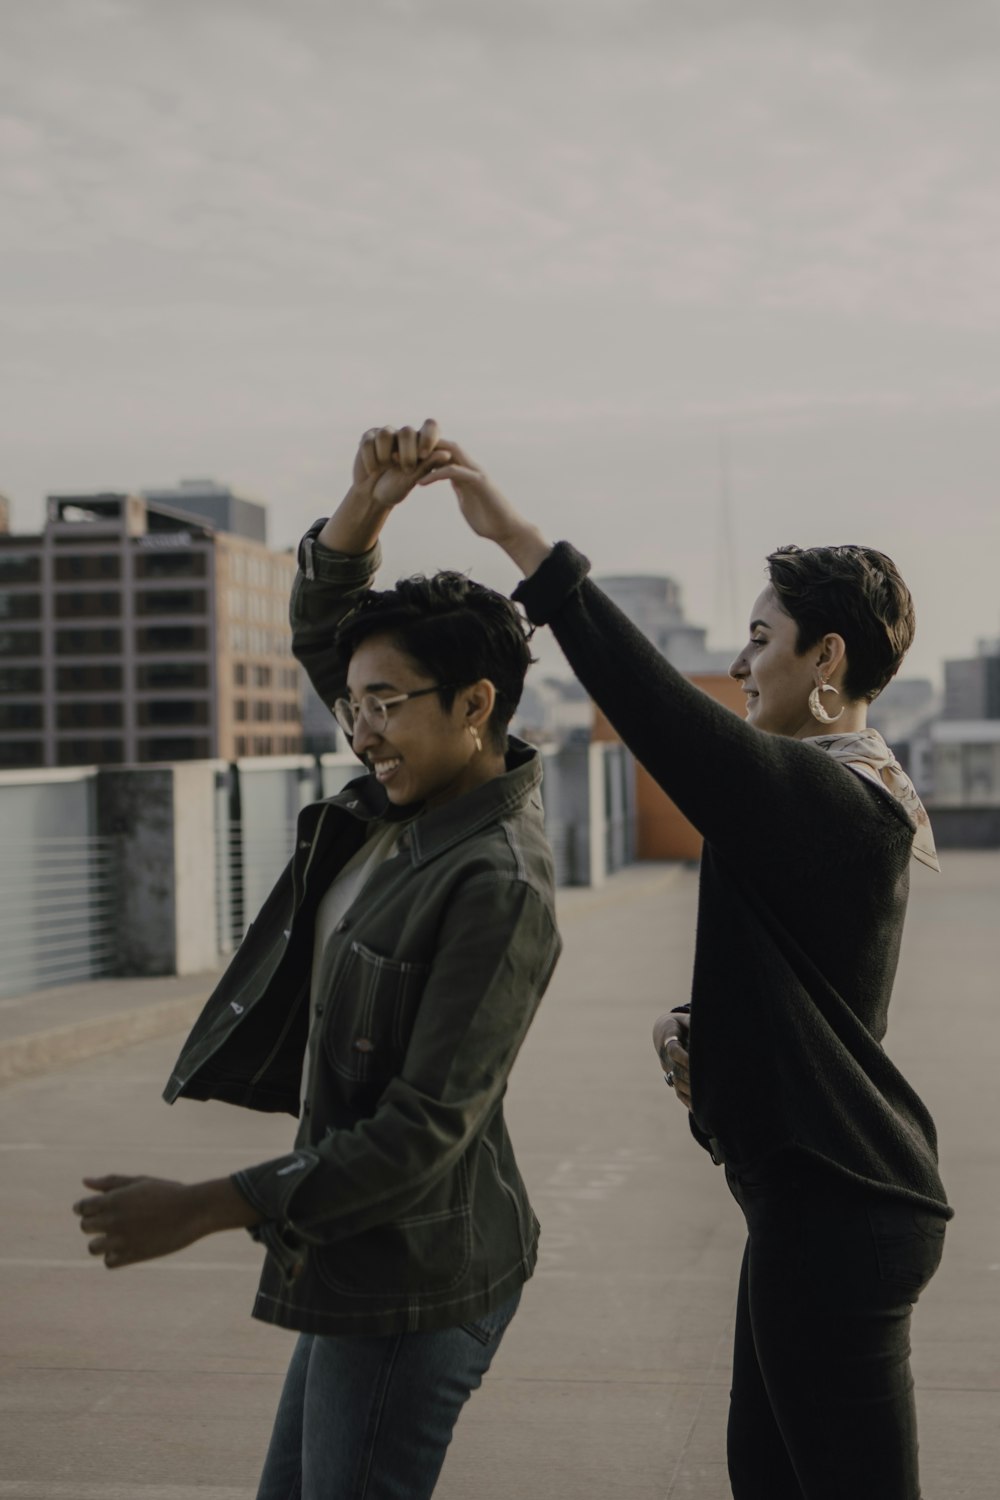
<point x="218" y="504"/>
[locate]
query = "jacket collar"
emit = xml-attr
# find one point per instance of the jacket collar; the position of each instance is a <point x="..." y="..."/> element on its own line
<point x="432" y="833"/>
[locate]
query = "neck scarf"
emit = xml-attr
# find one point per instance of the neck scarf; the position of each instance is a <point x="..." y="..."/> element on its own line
<point x="868" y="753"/>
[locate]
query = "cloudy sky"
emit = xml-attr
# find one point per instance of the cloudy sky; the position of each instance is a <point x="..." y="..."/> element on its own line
<point x="620" y="248"/>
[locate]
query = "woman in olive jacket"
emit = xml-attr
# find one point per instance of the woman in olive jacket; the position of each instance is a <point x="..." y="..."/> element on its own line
<point x="382" y="994"/>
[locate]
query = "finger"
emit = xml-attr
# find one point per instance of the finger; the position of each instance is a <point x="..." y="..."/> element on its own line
<point x="461" y="457"/>
<point x="385" y="440"/>
<point x="427" y="438"/>
<point x="368" y="456"/>
<point x="406" y="447"/>
<point x="435" y="460"/>
<point x="109" y="1183"/>
<point x="89" y="1209"/>
<point x="677" y="1054"/>
<point x="455" y="472"/>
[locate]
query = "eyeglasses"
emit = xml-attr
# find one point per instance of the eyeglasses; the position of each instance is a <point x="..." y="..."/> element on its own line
<point x="375" y="710"/>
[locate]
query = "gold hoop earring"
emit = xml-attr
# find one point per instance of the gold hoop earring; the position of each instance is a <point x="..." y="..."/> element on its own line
<point x="475" y="737"/>
<point x="816" y="708"/>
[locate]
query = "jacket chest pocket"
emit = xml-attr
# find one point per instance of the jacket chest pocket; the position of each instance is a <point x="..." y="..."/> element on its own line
<point x="371" y="1014"/>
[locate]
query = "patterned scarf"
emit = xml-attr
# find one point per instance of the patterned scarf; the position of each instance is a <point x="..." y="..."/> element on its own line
<point x="868" y="753"/>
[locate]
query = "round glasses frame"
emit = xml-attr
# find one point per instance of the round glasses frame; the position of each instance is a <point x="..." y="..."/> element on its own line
<point x="375" y="710"/>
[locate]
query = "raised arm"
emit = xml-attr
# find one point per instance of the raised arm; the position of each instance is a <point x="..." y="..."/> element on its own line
<point x="737" y="785"/>
<point x="339" y="557"/>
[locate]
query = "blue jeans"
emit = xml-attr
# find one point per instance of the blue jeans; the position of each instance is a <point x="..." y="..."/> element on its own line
<point x="822" y="1397"/>
<point x="370" y="1417"/>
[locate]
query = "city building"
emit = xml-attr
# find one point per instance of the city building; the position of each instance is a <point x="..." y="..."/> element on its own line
<point x="972" y="685"/>
<point x="655" y="604"/>
<point x="217" y="504"/>
<point x="552" y="710"/>
<point x="135" y="631"/>
<point x="966" y="762"/>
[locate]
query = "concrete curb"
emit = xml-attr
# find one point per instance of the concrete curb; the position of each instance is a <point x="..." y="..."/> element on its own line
<point x="26" y="1056"/>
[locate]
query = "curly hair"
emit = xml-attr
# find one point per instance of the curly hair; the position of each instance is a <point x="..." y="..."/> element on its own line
<point x="456" y="630"/>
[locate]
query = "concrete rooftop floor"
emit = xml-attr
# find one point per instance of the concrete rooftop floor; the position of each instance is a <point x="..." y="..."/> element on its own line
<point x="154" y="1384"/>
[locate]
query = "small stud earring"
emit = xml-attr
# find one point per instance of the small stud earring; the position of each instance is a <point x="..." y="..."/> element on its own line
<point x="816" y="707"/>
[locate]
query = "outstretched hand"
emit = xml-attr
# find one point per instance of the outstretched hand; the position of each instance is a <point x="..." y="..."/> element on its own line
<point x="139" y="1218"/>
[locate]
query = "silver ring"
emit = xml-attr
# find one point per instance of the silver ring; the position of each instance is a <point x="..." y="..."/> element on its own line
<point x="668" y="1079"/>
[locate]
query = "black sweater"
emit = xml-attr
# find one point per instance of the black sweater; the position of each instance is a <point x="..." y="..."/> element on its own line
<point x="804" y="883"/>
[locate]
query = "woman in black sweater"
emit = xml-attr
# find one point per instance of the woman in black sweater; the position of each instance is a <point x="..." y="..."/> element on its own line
<point x="809" y="828"/>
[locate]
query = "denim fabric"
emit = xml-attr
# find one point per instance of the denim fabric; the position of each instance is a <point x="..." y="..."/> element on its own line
<point x="822" y="1397"/>
<point x="370" y="1418"/>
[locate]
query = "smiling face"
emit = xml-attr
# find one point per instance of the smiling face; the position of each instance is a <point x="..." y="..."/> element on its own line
<point x="777" y="681"/>
<point x="426" y="752"/>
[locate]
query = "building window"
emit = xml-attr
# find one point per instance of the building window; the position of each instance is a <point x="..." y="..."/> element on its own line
<point x="89" y="714"/>
<point x="20" y="567"/>
<point x="166" y="711"/>
<point x="239" y="674"/>
<point x="91" y="567"/>
<point x="90" y="752"/>
<point x="171" y="602"/>
<point x="21" y="716"/>
<point x="90" y="679"/>
<point x="170" y="564"/>
<point x="90" y="642"/>
<point x="20" y="643"/>
<point x="174" y="747"/>
<point x="172" y="638"/>
<point x="20" y="679"/>
<point x="171" y="676"/>
<point x="17" y="755"/>
<point x="241" y="744"/>
<point x="19" y="606"/>
<point x="98" y="603"/>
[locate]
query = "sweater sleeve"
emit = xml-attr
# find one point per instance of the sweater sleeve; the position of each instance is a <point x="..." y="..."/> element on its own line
<point x="746" y="791"/>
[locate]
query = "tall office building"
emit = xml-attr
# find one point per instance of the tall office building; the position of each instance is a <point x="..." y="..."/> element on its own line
<point x="135" y="631"/>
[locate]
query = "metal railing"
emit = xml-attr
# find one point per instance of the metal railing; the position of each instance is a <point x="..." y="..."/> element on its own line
<point x="58" y="912"/>
<point x="248" y="861"/>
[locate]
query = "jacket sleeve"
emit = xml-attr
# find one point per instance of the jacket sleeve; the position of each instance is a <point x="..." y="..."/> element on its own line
<point x="749" y="793"/>
<point x="495" y="955"/>
<point x="327" y="586"/>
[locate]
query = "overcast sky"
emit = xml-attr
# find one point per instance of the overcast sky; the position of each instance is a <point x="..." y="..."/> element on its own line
<point x="605" y="242"/>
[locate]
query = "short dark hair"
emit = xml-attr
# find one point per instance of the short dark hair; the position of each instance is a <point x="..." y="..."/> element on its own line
<point x="852" y="591"/>
<point x="456" y="630"/>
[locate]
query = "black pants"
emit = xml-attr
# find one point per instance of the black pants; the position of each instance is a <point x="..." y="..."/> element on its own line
<point x="822" y="1397"/>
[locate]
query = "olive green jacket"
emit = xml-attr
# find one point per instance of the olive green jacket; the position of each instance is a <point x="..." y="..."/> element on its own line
<point x="401" y="1206"/>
